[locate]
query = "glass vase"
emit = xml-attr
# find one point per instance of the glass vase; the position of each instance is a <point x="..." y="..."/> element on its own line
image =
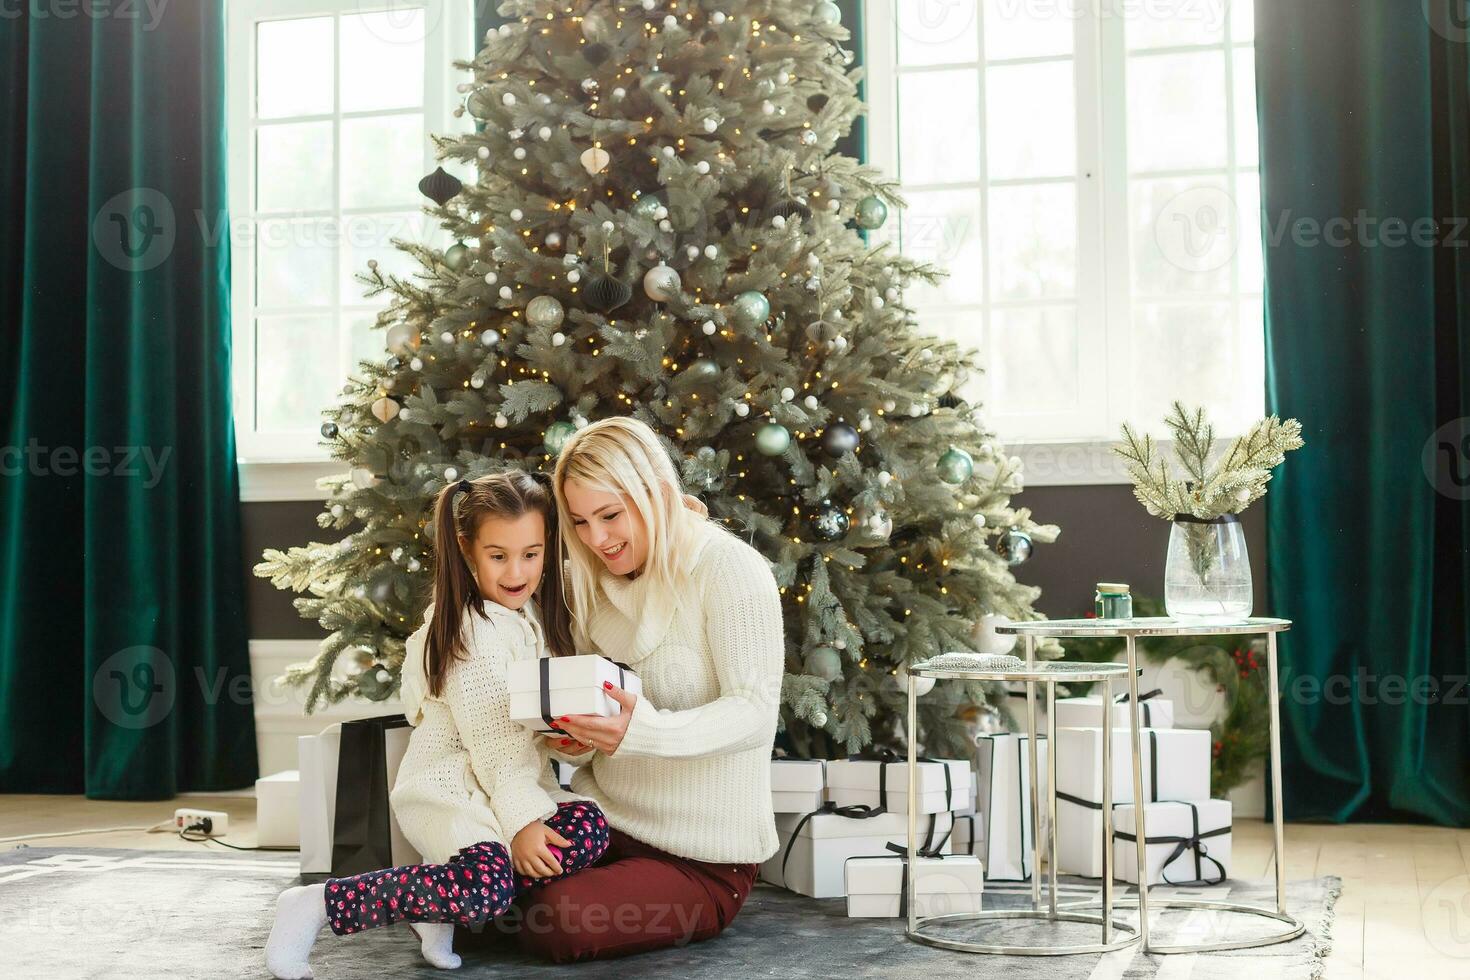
<point x="1207" y="576"/>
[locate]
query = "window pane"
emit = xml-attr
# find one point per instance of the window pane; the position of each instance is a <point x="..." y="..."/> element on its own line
<point x="1168" y="23"/>
<point x="1252" y="274"/>
<point x="382" y="160"/>
<point x="1250" y="399"/>
<point x="295" y="262"/>
<point x="943" y="229"/>
<point x="1032" y="121"/>
<point x="1033" y="241"/>
<point x="1186" y="233"/>
<point x="1021" y="29"/>
<point x="383" y="60"/>
<point x="293" y="167"/>
<point x="1242" y="20"/>
<point x="1186" y="351"/>
<point x="966" y="328"/>
<point x="368" y="237"/>
<point x="1176" y="111"/>
<point x="1033" y="359"/>
<point x="1247" y="137"/>
<point x="937" y="33"/>
<point x="932" y="149"/>
<point x="296" y="371"/>
<point x="293" y="67"/>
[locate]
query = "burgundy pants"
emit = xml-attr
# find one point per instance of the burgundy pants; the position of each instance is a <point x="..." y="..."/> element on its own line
<point x="636" y="898"/>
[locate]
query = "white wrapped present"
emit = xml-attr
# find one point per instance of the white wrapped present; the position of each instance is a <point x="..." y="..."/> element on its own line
<point x="1003" y="776"/>
<point x="563" y="772"/>
<point x="547" y="687"/>
<point x="798" y="785"/>
<point x="943" y="784"/>
<point x="968" y="836"/>
<point x="278" y="810"/>
<point x="365" y="783"/>
<point x="1176" y="766"/>
<point x="1188" y="842"/>
<point x="1154" y="711"/>
<point x="878" y="888"/>
<point x="814" y="846"/>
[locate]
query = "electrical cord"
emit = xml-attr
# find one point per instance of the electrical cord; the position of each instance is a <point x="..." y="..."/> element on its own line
<point x="161" y="825"/>
<point x="206" y="825"/>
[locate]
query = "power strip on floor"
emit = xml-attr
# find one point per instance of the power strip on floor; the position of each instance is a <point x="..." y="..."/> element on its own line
<point x="209" y="823"/>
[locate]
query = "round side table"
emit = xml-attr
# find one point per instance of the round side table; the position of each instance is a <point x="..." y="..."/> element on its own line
<point x="1131" y="630"/>
<point x="1048" y="674"/>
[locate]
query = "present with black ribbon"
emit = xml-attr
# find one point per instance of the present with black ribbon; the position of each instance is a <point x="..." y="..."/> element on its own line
<point x="1003" y="779"/>
<point x="545" y="688"/>
<point x="882" y="782"/>
<point x="1154" y="711"/>
<point x="797" y="785"/>
<point x="364" y="834"/>
<point x="878" y="887"/>
<point x="1176" y="766"/>
<point x="1187" y="842"/>
<point x="815" y="845"/>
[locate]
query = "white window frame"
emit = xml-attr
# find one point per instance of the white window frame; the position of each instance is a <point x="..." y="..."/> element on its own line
<point x="1055" y="450"/>
<point x="286" y="466"/>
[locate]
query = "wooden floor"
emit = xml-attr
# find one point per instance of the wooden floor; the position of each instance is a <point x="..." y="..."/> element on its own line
<point x="1404" y="911"/>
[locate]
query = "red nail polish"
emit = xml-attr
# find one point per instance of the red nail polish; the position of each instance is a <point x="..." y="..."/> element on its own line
<point x="607" y="684"/>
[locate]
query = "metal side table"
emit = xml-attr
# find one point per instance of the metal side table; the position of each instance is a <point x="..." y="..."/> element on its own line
<point x="1131" y="630"/>
<point x="921" y="929"/>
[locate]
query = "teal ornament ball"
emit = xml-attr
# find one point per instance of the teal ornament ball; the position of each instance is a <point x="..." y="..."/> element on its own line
<point x="752" y="308"/>
<point x="703" y="369"/>
<point x="647" y="206"/>
<point x="870" y="213"/>
<point x="375" y="683"/>
<point x="955" y="466"/>
<point x="457" y="256"/>
<point x="772" y="439"/>
<point x="1014" y="545"/>
<point x="557" y="434"/>
<point x="823" y="662"/>
<point x="828" y="13"/>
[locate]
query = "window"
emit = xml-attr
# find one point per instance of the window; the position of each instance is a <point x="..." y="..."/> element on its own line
<point x="331" y="105"/>
<point x="1086" y="170"/>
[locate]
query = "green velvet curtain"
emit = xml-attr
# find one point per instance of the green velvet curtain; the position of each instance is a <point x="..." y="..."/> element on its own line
<point x="124" y="670"/>
<point x="1365" y="121"/>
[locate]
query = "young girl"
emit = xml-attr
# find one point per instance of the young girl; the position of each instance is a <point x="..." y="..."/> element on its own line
<point x="475" y="792"/>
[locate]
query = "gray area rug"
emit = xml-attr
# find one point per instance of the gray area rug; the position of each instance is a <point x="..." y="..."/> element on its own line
<point x="112" y="913"/>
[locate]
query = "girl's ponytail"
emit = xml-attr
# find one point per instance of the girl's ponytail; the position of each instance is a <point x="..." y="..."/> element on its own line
<point x="556" y="615"/>
<point x="454" y="589"/>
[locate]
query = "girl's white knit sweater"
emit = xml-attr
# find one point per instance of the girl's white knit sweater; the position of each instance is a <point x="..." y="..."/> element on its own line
<point x="693" y="773"/>
<point x="471" y="774"/>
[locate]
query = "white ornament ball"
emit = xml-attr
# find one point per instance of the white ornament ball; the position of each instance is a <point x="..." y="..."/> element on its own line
<point x="671" y="22"/>
<point x="668" y="152"/>
<point x="711" y="124"/>
<point x="516" y="214"/>
<point x="922" y="685"/>
<point x="338" y="510"/>
<point x="787" y="394"/>
<point x="661" y="283"/>
<point x="414" y="564"/>
<point x="447" y="337"/>
<point x="891" y="293"/>
<point x="519" y="153"/>
<point x="742" y="409"/>
<point x="709" y="328"/>
<point x="506" y="292"/>
<point x="417" y="364"/>
<point x="553" y="240"/>
<point x="607" y="227"/>
<point x="483" y="153"/>
<point x="809" y="137"/>
<point x="711" y="251"/>
<point x="889" y="405"/>
<point x="557" y="339"/>
<point x="477" y="381"/>
<point x="665" y="225"/>
<point x="501" y="421"/>
<point x="508" y="99"/>
<point x="778" y="221"/>
<point x="450" y="474"/>
<point x="544" y="132"/>
<point x="979" y="520"/>
<point x="768" y="108"/>
<point x="692" y="251"/>
<point x="987" y="640"/>
<point x="702" y="167"/>
<point x="489" y="338"/>
<point x="884" y="478"/>
<point x="620" y="93"/>
<point x="819" y="719"/>
<point x="811" y="401"/>
<point x="491" y="278"/>
<point x="574" y="277"/>
<point x="717" y="18"/>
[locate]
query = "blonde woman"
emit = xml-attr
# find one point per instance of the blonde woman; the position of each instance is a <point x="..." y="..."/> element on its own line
<point x="683" y="773"/>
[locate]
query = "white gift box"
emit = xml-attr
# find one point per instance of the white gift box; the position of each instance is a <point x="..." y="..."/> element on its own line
<point x="876" y="887"/>
<point x="813" y="851"/>
<point x="943" y="784"/>
<point x="573" y="687"/>
<point x="563" y="772"/>
<point x="968" y="836"/>
<point x="798" y="785"/>
<point x="1176" y="766"/>
<point x="1188" y="841"/>
<point x="317" y="765"/>
<point x="1003" y="776"/>
<point x="278" y="810"/>
<point x="1154" y="712"/>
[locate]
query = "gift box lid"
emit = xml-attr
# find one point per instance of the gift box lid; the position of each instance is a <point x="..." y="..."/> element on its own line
<point x="584" y="670"/>
<point x="1174" y="818"/>
<point x="953" y="874"/>
<point x="798" y="775"/>
<point x="863" y="774"/>
<point x="823" y="826"/>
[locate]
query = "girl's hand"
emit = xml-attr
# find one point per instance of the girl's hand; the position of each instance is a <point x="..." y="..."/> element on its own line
<point x="603" y="734"/>
<point x="567" y="745"/>
<point x="531" y="853"/>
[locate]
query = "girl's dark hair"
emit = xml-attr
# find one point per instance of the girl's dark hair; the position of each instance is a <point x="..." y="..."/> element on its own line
<point x="460" y="509"/>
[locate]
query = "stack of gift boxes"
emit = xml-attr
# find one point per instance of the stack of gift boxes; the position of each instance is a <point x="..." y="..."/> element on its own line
<point x="843" y="827"/>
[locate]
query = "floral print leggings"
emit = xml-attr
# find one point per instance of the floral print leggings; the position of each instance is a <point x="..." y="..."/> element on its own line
<point x="476" y="885"/>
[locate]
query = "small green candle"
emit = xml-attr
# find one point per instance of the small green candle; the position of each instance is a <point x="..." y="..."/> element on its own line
<point x="1113" y="601"/>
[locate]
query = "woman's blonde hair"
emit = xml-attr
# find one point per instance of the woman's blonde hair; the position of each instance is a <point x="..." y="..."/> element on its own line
<point x="623" y="456"/>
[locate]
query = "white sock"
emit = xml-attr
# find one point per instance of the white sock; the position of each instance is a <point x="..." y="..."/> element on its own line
<point x="301" y="912"/>
<point x="436" y="941"/>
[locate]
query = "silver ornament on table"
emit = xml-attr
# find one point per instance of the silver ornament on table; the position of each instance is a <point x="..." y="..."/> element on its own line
<point x="752" y="308"/>
<point x="556" y="436"/>
<point x="662" y="283"/>
<point x="772" y="439"/>
<point x="955" y="466"/>
<point x="823" y="662"/>
<point x="870" y="213"/>
<point x="1014" y="545"/>
<point x="545" y="312"/>
<point x="457" y="256"/>
<point x="829" y="522"/>
<point x="839" y="439"/>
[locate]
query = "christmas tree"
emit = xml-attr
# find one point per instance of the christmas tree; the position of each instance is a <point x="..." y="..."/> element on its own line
<point x="660" y="226"/>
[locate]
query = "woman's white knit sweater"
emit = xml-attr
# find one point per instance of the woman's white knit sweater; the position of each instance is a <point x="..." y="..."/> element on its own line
<point x="470" y="773"/>
<point x="693" y="773"/>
